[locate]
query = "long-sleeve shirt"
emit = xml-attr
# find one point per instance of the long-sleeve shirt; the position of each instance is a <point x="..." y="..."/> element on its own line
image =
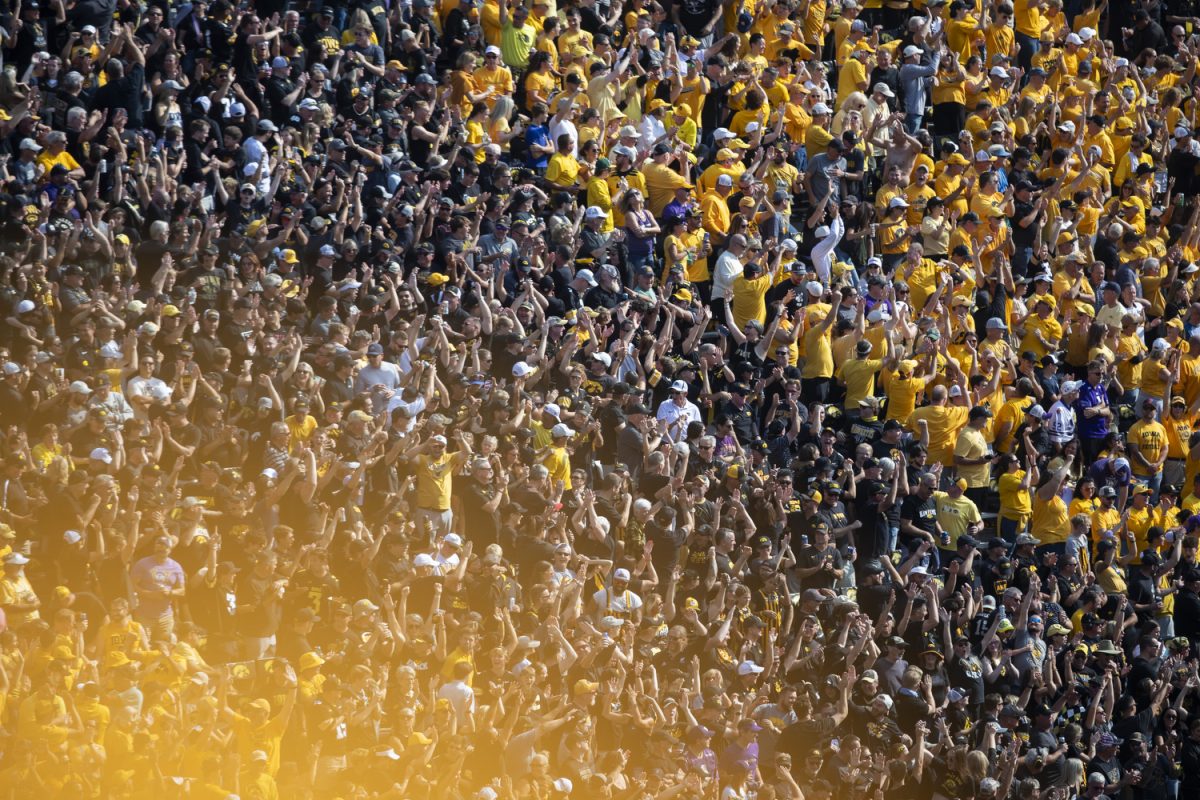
<point x="1092" y="396"/>
<point x="822" y="252"/>
<point x="729" y="267"/>
<point x="1060" y="423"/>
<point x="914" y="79"/>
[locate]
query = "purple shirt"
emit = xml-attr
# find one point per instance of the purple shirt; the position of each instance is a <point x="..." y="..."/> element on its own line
<point x="1089" y="397"/>
<point x="149" y="576"/>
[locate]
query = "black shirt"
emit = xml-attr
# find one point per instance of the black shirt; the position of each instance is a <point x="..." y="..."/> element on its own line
<point x="921" y="513"/>
<point x="124" y="93"/>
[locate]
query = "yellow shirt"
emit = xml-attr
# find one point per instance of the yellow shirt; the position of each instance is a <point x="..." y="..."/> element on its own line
<point x="749" y="299"/>
<point x="48" y="162"/>
<point x="1140" y="521"/>
<point x="661" y="183"/>
<point x="1050" y="521"/>
<point x="1151" y="439"/>
<point x="265" y="737"/>
<point x="558" y="463"/>
<point x="598" y="194"/>
<point x="1014" y="412"/>
<point x="542" y="83"/>
<point x="972" y="444"/>
<point x="434" y="479"/>
<point x="1028" y="18"/>
<point x="633" y="180"/>
<point x="1014" y="498"/>
<point x="1049" y="328"/>
<point x="715" y="216"/>
<point x="562" y="170"/>
<point x="1179" y="431"/>
<point x="818" y="348"/>
<point x="955" y="515"/>
<point x="1130" y="346"/>
<point x="300" y="430"/>
<point x="902" y="395"/>
<point x="17" y="589"/>
<point x="859" y="376"/>
<point x="944" y="424"/>
<point x="852" y="77"/>
<point x="1103" y="521"/>
<point x="500" y="79"/>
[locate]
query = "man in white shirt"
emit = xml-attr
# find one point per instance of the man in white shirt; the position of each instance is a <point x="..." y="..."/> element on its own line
<point x="1060" y="420"/>
<point x="380" y="378"/>
<point x="617" y="600"/>
<point x="678" y="412"/>
<point x="729" y="267"/>
<point x="146" y="391"/>
<point x="258" y="155"/>
<point x="447" y="553"/>
<point x="828" y="237"/>
<point x="460" y="695"/>
<point x="561" y="123"/>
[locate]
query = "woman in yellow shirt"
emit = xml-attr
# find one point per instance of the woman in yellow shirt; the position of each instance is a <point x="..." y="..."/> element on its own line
<point x="1051" y="522"/>
<point x="563" y="169"/>
<point x="540" y="82"/>
<point x="1013" y="485"/>
<point x="464" y="91"/>
<point x="1084" y="499"/>
<point x="477" y="135"/>
<point x="817" y="375"/>
<point x="598" y="192"/>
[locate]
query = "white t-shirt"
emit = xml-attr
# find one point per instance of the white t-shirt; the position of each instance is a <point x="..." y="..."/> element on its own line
<point x="615" y="604"/>
<point x="684" y="415"/>
<point x="152" y="387"/>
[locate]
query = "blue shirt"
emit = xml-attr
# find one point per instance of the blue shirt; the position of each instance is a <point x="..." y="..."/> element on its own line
<point x="914" y="79"/>
<point x="1090" y="397"/>
<point x="539" y="135"/>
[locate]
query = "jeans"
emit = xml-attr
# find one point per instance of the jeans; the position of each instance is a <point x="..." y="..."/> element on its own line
<point x="1009" y="528"/>
<point x="912" y="122"/>
<point x="1030" y="47"/>
<point x="438" y="522"/>
<point x="1020" y="261"/>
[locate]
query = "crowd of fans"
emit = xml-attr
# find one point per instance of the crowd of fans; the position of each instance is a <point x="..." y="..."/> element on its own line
<point x="715" y="400"/>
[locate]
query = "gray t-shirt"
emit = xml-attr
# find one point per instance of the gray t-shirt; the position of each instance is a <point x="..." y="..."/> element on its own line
<point x="819" y="168"/>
